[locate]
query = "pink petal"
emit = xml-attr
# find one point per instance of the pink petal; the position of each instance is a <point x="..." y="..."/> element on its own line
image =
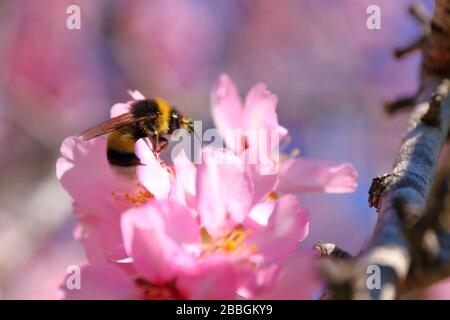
<point x="102" y="239"/>
<point x="156" y="236"/>
<point x="283" y="132"/>
<point x="259" y="215"/>
<point x="224" y="190"/>
<point x="264" y="176"/>
<point x="296" y="278"/>
<point x="262" y="280"/>
<point x="136" y="95"/>
<point x="306" y="175"/>
<point x="213" y="279"/>
<point x="227" y="112"/>
<point x="260" y="115"/>
<point x="119" y="109"/>
<point x="152" y="252"/>
<point x="179" y="223"/>
<point x="184" y="186"/>
<point x="288" y="224"/>
<point x="439" y="290"/>
<point x="100" y="282"/>
<point x="85" y="173"/>
<point x="153" y="176"/>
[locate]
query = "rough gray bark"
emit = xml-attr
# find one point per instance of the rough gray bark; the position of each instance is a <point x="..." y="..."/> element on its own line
<point x="410" y="244"/>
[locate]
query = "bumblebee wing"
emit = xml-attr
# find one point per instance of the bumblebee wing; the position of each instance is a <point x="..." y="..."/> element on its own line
<point x="108" y="126"/>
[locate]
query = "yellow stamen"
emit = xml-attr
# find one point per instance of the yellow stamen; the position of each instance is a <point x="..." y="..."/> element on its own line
<point x="231" y="242"/>
<point x="206" y="238"/>
<point x="140" y="197"/>
<point x="273" y="196"/>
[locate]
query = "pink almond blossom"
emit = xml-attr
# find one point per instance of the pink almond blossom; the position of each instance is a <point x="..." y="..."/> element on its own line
<point x="220" y="246"/>
<point x="173" y="258"/>
<point x="192" y="231"/>
<point x="100" y="195"/>
<point x="258" y="112"/>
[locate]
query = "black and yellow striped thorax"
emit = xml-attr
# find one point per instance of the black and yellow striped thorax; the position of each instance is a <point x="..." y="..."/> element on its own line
<point x="153" y="119"/>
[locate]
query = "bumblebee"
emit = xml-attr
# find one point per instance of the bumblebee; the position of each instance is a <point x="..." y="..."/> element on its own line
<point x="150" y="118"/>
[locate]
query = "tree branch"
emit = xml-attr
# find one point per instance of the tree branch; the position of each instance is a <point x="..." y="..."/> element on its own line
<point x="420" y="14"/>
<point x="429" y="237"/>
<point x="332" y="251"/>
<point x="410" y="244"/>
<point x="404" y="103"/>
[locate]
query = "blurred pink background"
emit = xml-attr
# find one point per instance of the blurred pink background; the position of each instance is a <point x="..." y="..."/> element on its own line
<point x="331" y="75"/>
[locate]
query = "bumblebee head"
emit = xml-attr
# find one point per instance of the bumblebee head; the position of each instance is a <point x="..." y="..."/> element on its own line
<point x="188" y="124"/>
<point x="178" y="121"/>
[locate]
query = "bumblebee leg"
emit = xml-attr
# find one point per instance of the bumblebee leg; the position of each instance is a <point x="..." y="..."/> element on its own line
<point x="154" y="140"/>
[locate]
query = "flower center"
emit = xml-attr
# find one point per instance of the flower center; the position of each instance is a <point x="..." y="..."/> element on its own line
<point x="151" y="291"/>
<point x="230" y="242"/>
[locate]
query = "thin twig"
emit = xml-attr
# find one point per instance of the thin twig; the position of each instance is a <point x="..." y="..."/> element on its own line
<point x="332" y="251"/>
<point x="392" y="107"/>
<point x="409" y="247"/>
<point x="420" y="14"/>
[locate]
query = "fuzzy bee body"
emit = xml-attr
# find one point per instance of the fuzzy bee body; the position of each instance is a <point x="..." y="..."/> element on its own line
<point x="120" y="148"/>
<point x="149" y="118"/>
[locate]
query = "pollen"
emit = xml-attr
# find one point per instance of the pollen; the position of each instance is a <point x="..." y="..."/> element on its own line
<point x="139" y="197"/>
<point x="273" y="196"/>
<point x="151" y="291"/>
<point x="232" y="241"/>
